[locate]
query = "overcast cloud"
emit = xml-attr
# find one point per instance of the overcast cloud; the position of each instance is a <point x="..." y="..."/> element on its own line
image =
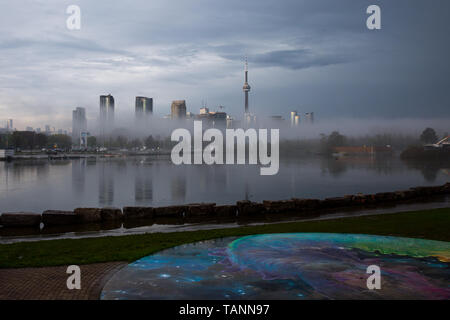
<point x="314" y="55"/>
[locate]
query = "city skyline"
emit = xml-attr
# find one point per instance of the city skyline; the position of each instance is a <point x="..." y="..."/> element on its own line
<point x="315" y="57"/>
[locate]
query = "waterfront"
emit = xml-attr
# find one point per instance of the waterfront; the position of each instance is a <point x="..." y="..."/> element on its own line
<point x="38" y="185"/>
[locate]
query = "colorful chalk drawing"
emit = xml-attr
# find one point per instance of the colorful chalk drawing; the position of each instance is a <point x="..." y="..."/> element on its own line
<point x="289" y="266"/>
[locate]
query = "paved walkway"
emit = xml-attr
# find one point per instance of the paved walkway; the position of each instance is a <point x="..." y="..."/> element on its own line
<point x="50" y="282"/>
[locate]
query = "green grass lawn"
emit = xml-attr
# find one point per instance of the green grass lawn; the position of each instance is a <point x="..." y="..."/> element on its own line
<point x="430" y="224"/>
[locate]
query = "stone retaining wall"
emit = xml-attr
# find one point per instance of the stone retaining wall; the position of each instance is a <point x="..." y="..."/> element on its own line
<point x="306" y="207"/>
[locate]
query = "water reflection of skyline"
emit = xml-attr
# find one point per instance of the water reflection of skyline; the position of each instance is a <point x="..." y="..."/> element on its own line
<point x="148" y="181"/>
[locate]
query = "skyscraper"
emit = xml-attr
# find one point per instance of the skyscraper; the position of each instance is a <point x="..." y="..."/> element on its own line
<point x="9" y="125"/>
<point x="178" y="109"/>
<point x="79" y="124"/>
<point x="143" y="107"/>
<point x="246" y="87"/>
<point x="293" y="115"/>
<point x="106" y="114"/>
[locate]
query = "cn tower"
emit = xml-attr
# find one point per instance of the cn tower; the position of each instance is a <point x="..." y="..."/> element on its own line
<point x="246" y="87"/>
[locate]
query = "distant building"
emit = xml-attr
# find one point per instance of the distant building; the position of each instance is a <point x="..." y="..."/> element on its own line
<point x="309" y="117"/>
<point x="293" y="115"/>
<point x="79" y="124"/>
<point x="106" y="114"/>
<point x="204" y="110"/>
<point x="29" y="129"/>
<point x="143" y="107"/>
<point x="368" y="150"/>
<point x="297" y="120"/>
<point x="178" y="109"/>
<point x="47" y="129"/>
<point x="38" y="130"/>
<point x="212" y="119"/>
<point x="230" y="122"/>
<point x="276" y="118"/>
<point x="9" y="125"/>
<point x="246" y="88"/>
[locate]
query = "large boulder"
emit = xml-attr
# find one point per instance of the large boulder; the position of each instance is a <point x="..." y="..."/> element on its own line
<point x="337" y="202"/>
<point x="427" y="191"/>
<point x="110" y="214"/>
<point x="225" y="211"/>
<point x="385" y="196"/>
<point x="170" y="211"/>
<point x="306" y="204"/>
<point x="248" y="208"/>
<point x="200" y="209"/>
<point x="58" y="217"/>
<point x="282" y="206"/>
<point x="88" y="215"/>
<point x="138" y="213"/>
<point x="446" y="188"/>
<point x="21" y="219"/>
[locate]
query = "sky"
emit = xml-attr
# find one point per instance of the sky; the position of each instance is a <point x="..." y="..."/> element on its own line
<point x="305" y="55"/>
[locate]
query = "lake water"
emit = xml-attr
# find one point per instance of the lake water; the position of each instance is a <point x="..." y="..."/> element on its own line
<point x="37" y="185"/>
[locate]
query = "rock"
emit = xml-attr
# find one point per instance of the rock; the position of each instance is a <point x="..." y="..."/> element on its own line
<point x="283" y="206"/>
<point x="200" y="209"/>
<point x="385" y="196"/>
<point x="138" y="213"/>
<point x="359" y="199"/>
<point x="248" y="208"/>
<point x="170" y="211"/>
<point x="306" y="204"/>
<point x="336" y="202"/>
<point x="428" y="191"/>
<point x="109" y="214"/>
<point x="446" y="188"/>
<point x="58" y="218"/>
<point x="225" y="211"/>
<point x="21" y="219"/>
<point x="88" y="215"/>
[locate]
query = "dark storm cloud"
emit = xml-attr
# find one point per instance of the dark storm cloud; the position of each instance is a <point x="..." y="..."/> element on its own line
<point x="293" y="59"/>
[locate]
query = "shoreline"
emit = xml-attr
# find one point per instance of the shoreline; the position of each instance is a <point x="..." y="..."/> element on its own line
<point x="204" y="212"/>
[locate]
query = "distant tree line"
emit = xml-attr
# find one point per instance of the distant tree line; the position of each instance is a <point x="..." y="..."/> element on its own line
<point x="29" y="140"/>
<point x="123" y="142"/>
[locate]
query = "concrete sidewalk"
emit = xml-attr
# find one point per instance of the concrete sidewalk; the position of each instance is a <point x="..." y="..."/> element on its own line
<point x="49" y="283"/>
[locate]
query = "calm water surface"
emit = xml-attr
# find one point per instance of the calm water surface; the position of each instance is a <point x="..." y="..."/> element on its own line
<point x="28" y="185"/>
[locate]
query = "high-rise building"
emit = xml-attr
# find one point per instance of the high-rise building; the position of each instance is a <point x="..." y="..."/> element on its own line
<point x="79" y="124"/>
<point x="246" y="86"/>
<point x="143" y="107"/>
<point x="309" y="117"/>
<point x="29" y="129"/>
<point x="178" y="109"/>
<point x="47" y="129"/>
<point x="293" y="115"/>
<point x="9" y="125"/>
<point x="297" y="120"/>
<point x="106" y="114"/>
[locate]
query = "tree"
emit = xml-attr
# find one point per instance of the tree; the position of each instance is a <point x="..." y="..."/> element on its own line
<point x="135" y="143"/>
<point x="92" y="141"/>
<point x="150" y="142"/>
<point x="40" y="140"/>
<point x="59" y="141"/>
<point x="428" y="136"/>
<point x="335" y="139"/>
